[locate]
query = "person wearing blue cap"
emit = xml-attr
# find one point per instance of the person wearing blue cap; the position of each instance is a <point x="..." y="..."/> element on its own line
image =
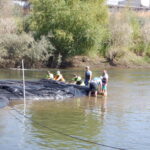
<point x="88" y="75"/>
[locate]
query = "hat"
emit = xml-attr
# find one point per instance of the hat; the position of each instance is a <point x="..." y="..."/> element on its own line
<point x="87" y="67"/>
<point x="79" y="78"/>
<point x="58" y="72"/>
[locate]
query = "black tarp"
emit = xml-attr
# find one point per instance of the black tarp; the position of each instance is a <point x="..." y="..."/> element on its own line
<point x="39" y="89"/>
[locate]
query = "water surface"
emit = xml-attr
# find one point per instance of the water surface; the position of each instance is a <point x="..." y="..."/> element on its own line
<point x="120" y="120"/>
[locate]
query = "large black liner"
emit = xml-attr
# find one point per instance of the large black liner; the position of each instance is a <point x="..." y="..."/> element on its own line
<point x="39" y="89"/>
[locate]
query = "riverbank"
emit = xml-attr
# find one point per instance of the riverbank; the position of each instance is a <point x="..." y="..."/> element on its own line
<point x="82" y="61"/>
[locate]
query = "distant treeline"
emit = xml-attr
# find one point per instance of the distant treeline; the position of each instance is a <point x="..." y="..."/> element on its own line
<point x="56" y="30"/>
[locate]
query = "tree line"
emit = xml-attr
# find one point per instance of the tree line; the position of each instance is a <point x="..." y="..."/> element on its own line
<point x="56" y="30"/>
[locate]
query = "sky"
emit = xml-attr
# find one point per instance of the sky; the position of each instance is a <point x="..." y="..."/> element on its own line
<point x="110" y="2"/>
<point x="115" y="2"/>
<point x="145" y="2"/>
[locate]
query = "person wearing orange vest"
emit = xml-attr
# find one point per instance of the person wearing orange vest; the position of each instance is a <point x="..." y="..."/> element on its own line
<point x="59" y="77"/>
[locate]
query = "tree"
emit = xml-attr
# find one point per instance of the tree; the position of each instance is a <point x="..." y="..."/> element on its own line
<point x="76" y="25"/>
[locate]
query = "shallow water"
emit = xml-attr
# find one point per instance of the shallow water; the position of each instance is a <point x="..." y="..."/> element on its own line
<point x="121" y="120"/>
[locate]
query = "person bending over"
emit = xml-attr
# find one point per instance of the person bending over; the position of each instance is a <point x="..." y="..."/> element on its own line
<point x="94" y="87"/>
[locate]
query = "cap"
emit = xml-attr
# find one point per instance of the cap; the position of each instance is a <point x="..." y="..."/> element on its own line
<point x="58" y="72"/>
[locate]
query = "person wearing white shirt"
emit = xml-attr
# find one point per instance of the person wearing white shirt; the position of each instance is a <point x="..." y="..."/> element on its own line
<point x="104" y="82"/>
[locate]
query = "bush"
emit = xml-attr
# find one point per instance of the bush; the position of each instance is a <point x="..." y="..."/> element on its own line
<point x="120" y="38"/>
<point x="114" y="55"/>
<point x="128" y="33"/>
<point x="137" y="41"/>
<point x="146" y="38"/>
<point x="120" y="32"/>
<point x="16" y="47"/>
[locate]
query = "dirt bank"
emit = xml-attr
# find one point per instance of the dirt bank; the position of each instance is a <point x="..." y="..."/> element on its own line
<point x="82" y="61"/>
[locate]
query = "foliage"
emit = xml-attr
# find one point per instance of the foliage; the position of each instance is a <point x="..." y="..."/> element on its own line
<point x="16" y="47"/>
<point x="137" y="44"/>
<point x="145" y="30"/>
<point x="127" y="33"/>
<point x="119" y="39"/>
<point x="57" y="29"/>
<point x="76" y="25"/>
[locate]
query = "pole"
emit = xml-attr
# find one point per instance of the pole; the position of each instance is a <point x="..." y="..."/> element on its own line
<point x="24" y="95"/>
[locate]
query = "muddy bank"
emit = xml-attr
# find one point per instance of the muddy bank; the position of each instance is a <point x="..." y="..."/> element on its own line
<point x="82" y="61"/>
<point x="40" y="89"/>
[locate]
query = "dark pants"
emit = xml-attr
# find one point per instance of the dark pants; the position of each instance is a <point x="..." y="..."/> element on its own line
<point x="93" y="87"/>
<point x="86" y="82"/>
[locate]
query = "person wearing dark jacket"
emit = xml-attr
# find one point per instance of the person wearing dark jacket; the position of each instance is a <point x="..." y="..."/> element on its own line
<point x="88" y="75"/>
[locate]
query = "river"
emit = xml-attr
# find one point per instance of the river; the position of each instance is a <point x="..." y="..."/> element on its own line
<point x="120" y="120"/>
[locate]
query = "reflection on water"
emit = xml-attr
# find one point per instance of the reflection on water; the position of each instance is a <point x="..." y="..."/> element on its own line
<point x="69" y="118"/>
<point x="119" y="120"/>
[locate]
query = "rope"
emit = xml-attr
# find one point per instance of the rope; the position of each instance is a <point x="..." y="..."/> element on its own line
<point x="62" y="133"/>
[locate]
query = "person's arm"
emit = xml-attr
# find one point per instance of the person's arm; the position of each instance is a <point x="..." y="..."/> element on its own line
<point x="59" y="78"/>
<point x="106" y="79"/>
<point x="91" y="76"/>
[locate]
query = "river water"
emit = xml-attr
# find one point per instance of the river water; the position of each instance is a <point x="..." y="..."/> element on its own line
<point x="120" y="120"/>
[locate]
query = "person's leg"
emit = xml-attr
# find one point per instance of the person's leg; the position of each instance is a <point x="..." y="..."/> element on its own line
<point x="86" y="82"/>
<point x="89" y="93"/>
<point x="100" y="89"/>
<point x="95" y="93"/>
<point x="105" y="90"/>
<point x="103" y="87"/>
<point x="105" y="94"/>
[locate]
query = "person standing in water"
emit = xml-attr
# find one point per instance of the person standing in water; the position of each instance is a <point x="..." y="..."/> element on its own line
<point x="88" y="75"/>
<point x="104" y="82"/>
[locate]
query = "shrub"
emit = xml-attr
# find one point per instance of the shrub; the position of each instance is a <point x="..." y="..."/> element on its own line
<point x="137" y="44"/>
<point x="146" y="38"/>
<point x="23" y="46"/>
<point x="120" y="31"/>
<point x="119" y="39"/>
<point x="114" y="55"/>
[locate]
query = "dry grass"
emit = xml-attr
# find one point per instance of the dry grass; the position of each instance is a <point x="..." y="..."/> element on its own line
<point x="123" y="27"/>
<point x="121" y="32"/>
<point x="6" y="8"/>
<point x="7" y="20"/>
<point x="7" y="25"/>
